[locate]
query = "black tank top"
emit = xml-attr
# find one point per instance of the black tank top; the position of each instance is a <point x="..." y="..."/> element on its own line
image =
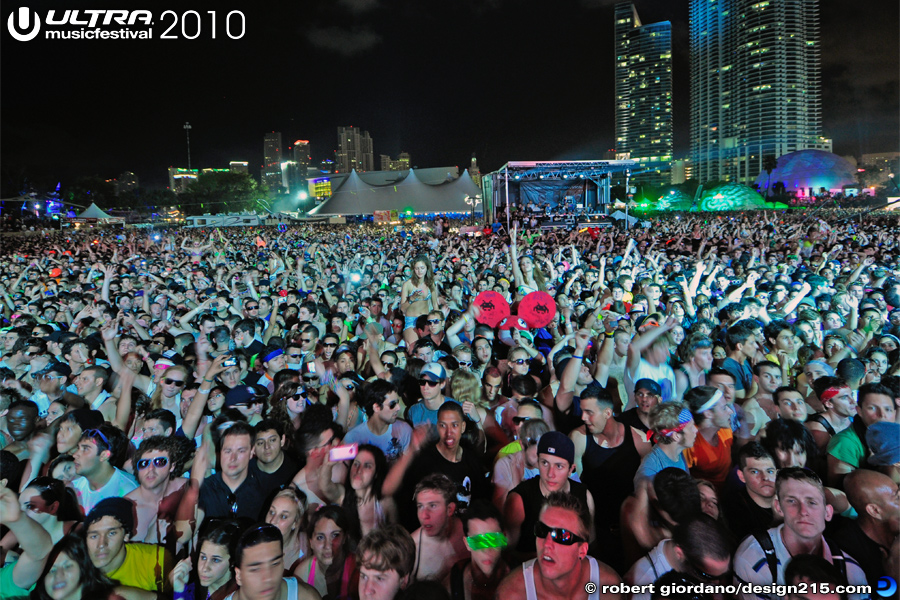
<point x="533" y="500"/>
<point x="608" y="474"/>
<point x="821" y="420"/>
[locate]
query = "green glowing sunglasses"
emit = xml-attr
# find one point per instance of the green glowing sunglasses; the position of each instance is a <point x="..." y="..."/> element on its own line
<point x="485" y="541"/>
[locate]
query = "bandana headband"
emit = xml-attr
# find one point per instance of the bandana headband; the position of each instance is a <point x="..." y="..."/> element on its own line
<point x="684" y="419"/>
<point x="832" y="392"/>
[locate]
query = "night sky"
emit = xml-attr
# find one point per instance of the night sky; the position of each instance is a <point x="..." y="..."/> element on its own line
<point x="506" y="80"/>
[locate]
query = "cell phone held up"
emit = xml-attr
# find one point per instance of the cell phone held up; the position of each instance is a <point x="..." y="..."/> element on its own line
<point x="340" y="453"/>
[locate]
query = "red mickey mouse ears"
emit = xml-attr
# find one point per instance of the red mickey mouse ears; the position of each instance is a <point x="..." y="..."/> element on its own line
<point x="494" y="307"/>
<point x="537" y="309"/>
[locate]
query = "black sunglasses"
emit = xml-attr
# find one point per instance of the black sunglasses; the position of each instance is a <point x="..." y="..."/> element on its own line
<point x="465" y="363"/>
<point x="433" y="321"/>
<point x="175" y="382"/>
<point x="159" y="462"/>
<point x="329" y="345"/>
<point x="393" y="404"/>
<point x="520" y="420"/>
<point x="252" y="307"/>
<point x="295" y="355"/>
<point x="429" y="383"/>
<point x="387" y="365"/>
<point x="561" y="536"/>
<point x="519" y="361"/>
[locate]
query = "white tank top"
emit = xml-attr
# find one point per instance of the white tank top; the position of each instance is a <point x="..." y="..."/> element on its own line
<point x="531" y="592"/>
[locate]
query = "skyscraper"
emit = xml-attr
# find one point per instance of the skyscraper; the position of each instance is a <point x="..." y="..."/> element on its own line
<point x="355" y="150"/>
<point x="302" y="155"/>
<point x="271" y="172"/>
<point x="644" y="92"/>
<point x="755" y="84"/>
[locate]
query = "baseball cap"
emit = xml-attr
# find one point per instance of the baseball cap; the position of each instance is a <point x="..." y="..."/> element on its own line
<point x="242" y="394"/>
<point x="649" y="385"/>
<point x="434" y="372"/>
<point x="56" y="367"/>
<point x="883" y="439"/>
<point x="557" y="444"/>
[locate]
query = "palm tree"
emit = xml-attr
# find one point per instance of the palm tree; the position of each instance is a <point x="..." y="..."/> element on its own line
<point x="770" y="163"/>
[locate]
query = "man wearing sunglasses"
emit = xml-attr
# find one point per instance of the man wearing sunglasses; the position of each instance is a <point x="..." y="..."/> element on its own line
<point x="384" y="428"/>
<point x="699" y="547"/>
<point x="432" y="380"/>
<point x="562" y="567"/>
<point x="159" y="490"/>
<point x="97" y="450"/>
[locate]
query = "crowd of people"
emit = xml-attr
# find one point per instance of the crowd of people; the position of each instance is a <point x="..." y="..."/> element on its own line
<point x="339" y="412"/>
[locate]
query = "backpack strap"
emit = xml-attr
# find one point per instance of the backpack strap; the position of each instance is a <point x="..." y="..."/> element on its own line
<point x="838" y="559"/>
<point x="821" y="420"/>
<point x="768" y="547"/>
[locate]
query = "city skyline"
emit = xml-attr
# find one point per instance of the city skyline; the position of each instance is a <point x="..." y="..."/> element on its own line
<point x="505" y="82"/>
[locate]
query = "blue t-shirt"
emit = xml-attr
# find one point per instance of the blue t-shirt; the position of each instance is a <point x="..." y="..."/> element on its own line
<point x="419" y="414"/>
<point x="655" y="462"/>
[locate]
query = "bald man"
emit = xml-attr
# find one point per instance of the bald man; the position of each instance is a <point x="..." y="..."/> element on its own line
<point x="869" y="538"/>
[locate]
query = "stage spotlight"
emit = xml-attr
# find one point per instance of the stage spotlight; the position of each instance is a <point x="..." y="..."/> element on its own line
<point x="565" y="176"/>
<point x="540" y="176"/>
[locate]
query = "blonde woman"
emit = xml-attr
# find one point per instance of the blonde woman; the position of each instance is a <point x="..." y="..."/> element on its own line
<point x="286" y="512"/>
<point x="465" y="388"/>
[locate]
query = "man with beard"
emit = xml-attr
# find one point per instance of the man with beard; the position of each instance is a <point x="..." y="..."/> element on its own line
<point x="160" y="490"/>
<point x="562" y="567"/>
<point x="478" y="578"/>
<point x="749" y="509"/>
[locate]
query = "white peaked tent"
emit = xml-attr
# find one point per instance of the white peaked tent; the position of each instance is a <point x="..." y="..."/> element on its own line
<point x="356" y="197"/>
<point x="95" y="212"/>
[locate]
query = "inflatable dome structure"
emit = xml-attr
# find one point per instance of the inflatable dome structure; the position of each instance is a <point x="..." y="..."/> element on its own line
<point x="731" y="196"/>
<point x="807" y="170"/>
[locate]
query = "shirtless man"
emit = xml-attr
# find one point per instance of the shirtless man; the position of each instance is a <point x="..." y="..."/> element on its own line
<point x="562" y="567"/>
<point x="440" y="541"/>
<point x="159" y="493"/>
<point x="762" y="405"/>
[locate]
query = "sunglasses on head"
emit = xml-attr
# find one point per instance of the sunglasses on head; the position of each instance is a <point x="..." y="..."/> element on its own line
<point x="175" y="382"/>
<point x="95" y="433"/>
<point x="429" y="383"/>
<point x="561" y="536"/>
<point x="159" y="462"/>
